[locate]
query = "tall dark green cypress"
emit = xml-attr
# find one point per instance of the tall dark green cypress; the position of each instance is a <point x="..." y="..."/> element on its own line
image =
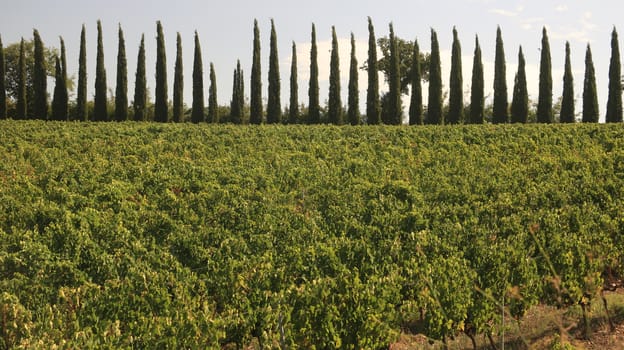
<point x="121" y="89"/>
<point x="293" y="109"/>
<point x="256" y="80"/>
<point x="499" y="108"/>
<point x="241" y="95"/>
<point x="373" y="104"/>
<point x="40" y="77"/>
<point x="99" y="112"/>
<point x="520" y="99"/>
<point x="590" y="92"/>
<point x="314" y="109"/>
<point x="178" y="83"/>
<point x="274" y="106"/>
<point x="456" y="93"/>
<point x="567" y="99"/>
<point x="477" y="93"/>
<point x="213" y="108"/>
<point x="416" y="102"/>
<point x="20" y="112"/>
<point x="160" y="105"/>
<point x="59" y="100"/>
<point x="81" y="99"/>
<point x="614" y="102"/>
<point x="334" y="109"/>
<point x="353" y="111"/>
<point x="236" y="108"/>
<point x="140" y="85"/>
<point x="434" y="108"/>
<point x="3" y="105"/>
<point x="63" y="103"/>
<point x="544" y="102"/>
<point x="394" y="109"/>
<point x="197" y="112"/>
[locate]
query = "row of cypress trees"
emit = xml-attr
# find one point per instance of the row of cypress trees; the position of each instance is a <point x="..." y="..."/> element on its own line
<point x="391" y="113"/>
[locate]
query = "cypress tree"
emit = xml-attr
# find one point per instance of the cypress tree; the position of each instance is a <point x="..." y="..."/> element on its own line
<point x="20" y="112"/>
<point x="59" y="101"/>
<point x="160" y="104"/>
<point x="140" y="85"/>
<point x="614" y="102"/>
<point x="334" y="109"/>
<point x="256" y="80"/>
<point x="314" y="109"/>
<point x="40" y="80"/>
<point x="81" y="99"/>
<point x="434" y="111"/>
<point x="121" y="90"/>
<point x="544" y="102"/>
<point x="456" y="93"/>
<point x="274" y="106"/>
<point x="241" y="95"/>
<point x="373" y="107"/>
<point x="567" y="100"/>
<point x="499" y="109"/>
<point x="416" y="107"/>
<point x="394" y="94"/>
<point x="590" y="93"/>
<point x="477" y="93"/>
<point x="99" y="112"/>
<point x="213" y="108"/>
<point x="178" y="83"/>
<point x="354" y="93"/>
<point x="3" y="105"/>
<point x="65" y="93"/>
<point x="293" y="110"/>
<point x="236" y="107"/>
<point x="520" y="99"/>
<point x="197" y="112"/>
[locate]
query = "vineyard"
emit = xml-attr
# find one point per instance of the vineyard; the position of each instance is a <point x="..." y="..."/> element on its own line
<point x="145" y="235"/>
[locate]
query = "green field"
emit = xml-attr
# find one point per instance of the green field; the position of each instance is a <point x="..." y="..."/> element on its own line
<point x="142" y="235"/>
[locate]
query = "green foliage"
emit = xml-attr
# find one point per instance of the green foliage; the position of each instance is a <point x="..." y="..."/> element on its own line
<point x="3" y="102"/>
<point x="293" y="108"/>
<point x="148" y="235"/>
<point x="59" y="101"/>
<point x="499" y="108"/>
<point x="434" y="106"/>
<point x="393" y="114"/>
<point x="100" y="113"/>
<point x="334" y="106"/>
<point x="353" y="111"/>
<point x="590" y="92"/>
<point x="314" y="108"/>
<point x="567" y="100"/>
<point x="456" y="92"/>
<point x="81" y="98"/>
<point x="274" y="106"/>
<point x="21" y="104"/>
<point x="140" y="85"/>
<point x="178" y="83"/>
<point x="544" y="102"/>
<point x="373" y="104"/>
<point x="477" y="94"/>
<point x="416" y="100"/>
<point x="161" y="113"/>
<point x="40" y="77"/>
<point x="197" y="112"/>
<point x="614" y="102"/>
<point x="121" y="89"/>
<point x="256" y="114"/>
<point x="238" y="96"/>
<point x="213" y="107"/>
<point x="520" y="99"/>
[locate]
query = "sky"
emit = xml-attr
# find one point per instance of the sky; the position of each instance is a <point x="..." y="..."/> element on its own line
<point x="226" y="33"/>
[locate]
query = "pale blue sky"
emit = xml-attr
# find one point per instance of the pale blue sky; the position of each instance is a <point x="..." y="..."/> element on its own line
<point x="225" y="29"/>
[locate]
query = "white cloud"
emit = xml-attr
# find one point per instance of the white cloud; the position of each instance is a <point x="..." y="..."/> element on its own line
<point x="503" y="12"/>
<point x="531" y="23"/>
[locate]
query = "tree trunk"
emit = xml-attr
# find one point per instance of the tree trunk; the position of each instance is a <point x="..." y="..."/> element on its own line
<point x="586" y="325"/>
<point x="492" y="343"/>
<point x="604" y="302"/>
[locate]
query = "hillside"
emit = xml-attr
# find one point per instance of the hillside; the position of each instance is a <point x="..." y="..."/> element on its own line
<point x="183" y="236"/>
